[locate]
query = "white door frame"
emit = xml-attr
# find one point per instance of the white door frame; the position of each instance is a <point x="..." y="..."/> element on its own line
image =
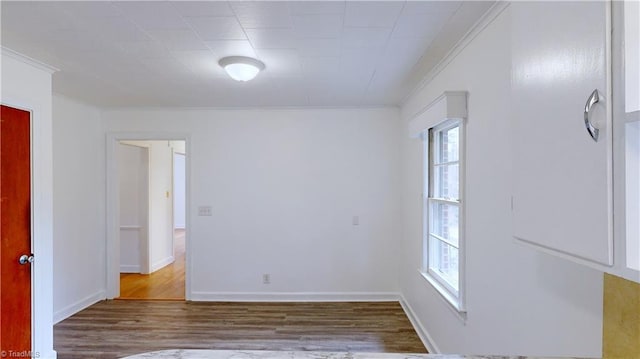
<point x="173" y="197"/>
<point x="113" y="205"/>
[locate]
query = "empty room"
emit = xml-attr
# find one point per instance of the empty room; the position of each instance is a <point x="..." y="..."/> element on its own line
<point x="320" y="179"/>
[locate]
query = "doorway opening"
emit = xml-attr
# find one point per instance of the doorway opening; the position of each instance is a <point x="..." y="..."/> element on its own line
<point x="151" y="230"/>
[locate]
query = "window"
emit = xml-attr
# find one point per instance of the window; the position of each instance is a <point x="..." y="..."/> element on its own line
<point x="443" y="210"/>
<point x="441" y="125"/>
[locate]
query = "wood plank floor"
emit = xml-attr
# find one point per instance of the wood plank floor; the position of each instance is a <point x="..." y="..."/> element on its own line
<point x="112" y="329"/>
<point x="165" y="283"/>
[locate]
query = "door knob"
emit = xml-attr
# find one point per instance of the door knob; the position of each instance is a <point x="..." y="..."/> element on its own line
<point x="24" y="259"/>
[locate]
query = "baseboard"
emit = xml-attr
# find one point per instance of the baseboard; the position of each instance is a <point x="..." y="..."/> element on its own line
<point x="426" y="339"/>
<point x="74" y="308"/>
<point x="129" y="268"/>
<point x="295" y="296"/>
<point x="161" y="263"/>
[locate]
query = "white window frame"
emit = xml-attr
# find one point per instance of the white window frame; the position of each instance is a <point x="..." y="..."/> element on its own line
<point x="455" y="298"/>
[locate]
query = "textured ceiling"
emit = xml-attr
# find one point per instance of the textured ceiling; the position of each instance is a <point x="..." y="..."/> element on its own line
<point x="165" y="53"/>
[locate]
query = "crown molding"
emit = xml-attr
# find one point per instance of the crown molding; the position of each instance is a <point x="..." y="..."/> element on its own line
<point x="28" y="60"/>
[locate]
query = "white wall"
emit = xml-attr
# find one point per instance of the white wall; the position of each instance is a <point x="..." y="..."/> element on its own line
<point x="133" y="176"/>
<point x="283" y="186"/>
<point x="26" y="84"/>
<point x="156" y="190"/>
<point x="160" y="204"/>
<point x="519" y="301"/>
<point x="179" y="190"/>
<point x="78" y="202"/>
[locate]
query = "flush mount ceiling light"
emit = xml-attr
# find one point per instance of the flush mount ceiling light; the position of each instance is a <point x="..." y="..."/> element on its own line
<point x="241" y="68"/>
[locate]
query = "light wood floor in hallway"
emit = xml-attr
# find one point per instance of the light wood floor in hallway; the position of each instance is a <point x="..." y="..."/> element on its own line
<point x="117" y="328"/>
<point x="166" y="283"/>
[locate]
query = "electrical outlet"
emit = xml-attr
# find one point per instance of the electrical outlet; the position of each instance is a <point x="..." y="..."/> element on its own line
<point x="266" y="278"/>
<point x="355" y="220"/>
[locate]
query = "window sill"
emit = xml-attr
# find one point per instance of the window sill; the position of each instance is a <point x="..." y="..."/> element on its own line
<point x="452" y="303"/>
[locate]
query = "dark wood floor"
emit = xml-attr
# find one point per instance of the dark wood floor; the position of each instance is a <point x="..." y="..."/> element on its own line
<point x="112" y="329"/>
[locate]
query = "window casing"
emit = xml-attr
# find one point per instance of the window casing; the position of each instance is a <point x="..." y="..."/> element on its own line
<point x="442" y="239"/>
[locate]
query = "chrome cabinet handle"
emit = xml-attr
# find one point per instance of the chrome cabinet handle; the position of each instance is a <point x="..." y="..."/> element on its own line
<point x="593" y="99"/>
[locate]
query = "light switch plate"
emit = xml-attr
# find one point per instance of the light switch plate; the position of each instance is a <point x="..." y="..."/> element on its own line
<point x="204" y="211"/>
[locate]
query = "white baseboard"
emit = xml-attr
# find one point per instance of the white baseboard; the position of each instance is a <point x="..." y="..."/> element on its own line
<point x="161" y="263"/>
<point x="295" y="296"/>
<point x="427" y="340"/>
<point x="129" y="268"/>
<point x="74" y="308"/>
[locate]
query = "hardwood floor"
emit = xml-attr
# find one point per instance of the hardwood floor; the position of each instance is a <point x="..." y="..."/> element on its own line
<point x="112" y="329"/>
<point x="166" y="283"/>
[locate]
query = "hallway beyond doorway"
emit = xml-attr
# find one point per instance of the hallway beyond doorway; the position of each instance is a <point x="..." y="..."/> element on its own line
<point x="166" y="283"/>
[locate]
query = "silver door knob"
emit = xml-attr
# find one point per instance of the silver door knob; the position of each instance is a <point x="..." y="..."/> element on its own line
<point x="24" y="259"/>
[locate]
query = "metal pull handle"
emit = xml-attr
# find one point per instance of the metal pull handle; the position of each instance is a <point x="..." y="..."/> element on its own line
<point x="593" y="99"/>
<point x="24" y="259"/>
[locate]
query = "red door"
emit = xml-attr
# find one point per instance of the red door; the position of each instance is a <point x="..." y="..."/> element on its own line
<point x="15" y="231"/>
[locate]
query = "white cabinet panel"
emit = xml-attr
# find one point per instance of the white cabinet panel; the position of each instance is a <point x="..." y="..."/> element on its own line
<point x="562" y="190"/>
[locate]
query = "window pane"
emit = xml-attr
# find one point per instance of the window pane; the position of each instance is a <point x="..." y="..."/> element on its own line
<point x="444" y="221"/>
<point x="443" y="260"/>
<point x="448" y="145"/>
<point x="446" y="181"/>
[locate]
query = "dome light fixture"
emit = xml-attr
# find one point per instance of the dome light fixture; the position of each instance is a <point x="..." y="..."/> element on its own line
<point x="241" y="68"/>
